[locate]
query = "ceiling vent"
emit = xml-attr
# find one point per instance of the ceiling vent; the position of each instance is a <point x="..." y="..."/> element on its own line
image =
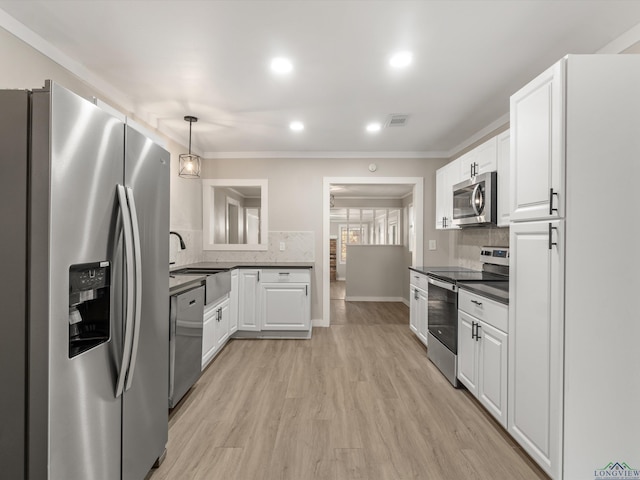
<point x="397" y="120"/>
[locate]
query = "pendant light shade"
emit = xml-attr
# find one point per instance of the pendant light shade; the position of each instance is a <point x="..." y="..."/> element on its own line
<point x="189" y="162"/>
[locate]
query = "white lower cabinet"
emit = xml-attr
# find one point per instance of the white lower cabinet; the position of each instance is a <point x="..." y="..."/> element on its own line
<point x="285" y="307"/>
<point x="418" y="303"/>
<point x="249" y="300"/>
<point x="483" y="352"/>
<point x="285" y="300"/>
<point x="215" y="329"/>
<point x="233" y="303"/>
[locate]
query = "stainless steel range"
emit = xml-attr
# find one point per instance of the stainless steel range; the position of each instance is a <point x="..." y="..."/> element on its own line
<point x="442" y="310"/>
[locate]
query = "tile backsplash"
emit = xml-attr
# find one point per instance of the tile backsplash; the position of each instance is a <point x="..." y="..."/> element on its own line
<point x="468" y="242"/>
<point x="193" y="252"/>
<point x="299" y="247"/>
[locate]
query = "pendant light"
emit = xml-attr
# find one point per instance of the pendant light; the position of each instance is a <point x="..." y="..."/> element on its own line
<point x="189" y="162"/>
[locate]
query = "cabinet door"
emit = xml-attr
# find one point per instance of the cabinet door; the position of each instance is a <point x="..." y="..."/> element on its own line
<point x="441" y="188"/>
<point x="222" y="324"/>
<point x="492" y="371"/>
<point x="248" y="300"/>
<point x="537" y="147"/>
<point x="481" y="159"/>
<point x="285" y="306"/>
<point x="208" y="335"/>
<point x="467" y="345"/>
<point x="536" y="340"/>
<point x="233" y="303"/>
<point x="446" y="177"/>
<point x="422" y="312"/>
<point x="486" y="156"/>
<point x="413" y="309"/>
<point x="504" y="179"/>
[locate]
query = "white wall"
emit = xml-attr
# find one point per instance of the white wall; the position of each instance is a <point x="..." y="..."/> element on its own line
<point x="23" y="67"/>
<point x="295" y="199"/>
<point x="375" y="272"/>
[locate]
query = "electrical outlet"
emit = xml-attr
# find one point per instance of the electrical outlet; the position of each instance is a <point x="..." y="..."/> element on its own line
<point x="282" y="246"/>
<point x="432" y="244"/>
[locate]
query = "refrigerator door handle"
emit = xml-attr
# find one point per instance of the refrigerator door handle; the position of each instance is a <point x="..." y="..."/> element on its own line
<point x="138" y="285"/>
<point x="128" y="326"/>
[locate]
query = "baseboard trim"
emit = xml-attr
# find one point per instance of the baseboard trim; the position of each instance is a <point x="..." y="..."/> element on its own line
<point x="406" y="302"/>
<point x="320" y="322"/>
<point x="374" y="299"/>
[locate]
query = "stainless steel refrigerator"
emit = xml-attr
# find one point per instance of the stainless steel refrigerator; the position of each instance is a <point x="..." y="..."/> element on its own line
<point x="84" y="295"/>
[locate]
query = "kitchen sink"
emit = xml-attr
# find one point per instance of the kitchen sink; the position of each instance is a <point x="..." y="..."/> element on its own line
<point x="217" y="282"/>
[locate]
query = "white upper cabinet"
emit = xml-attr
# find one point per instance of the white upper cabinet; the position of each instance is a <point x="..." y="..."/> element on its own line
<point x="537" y="147"/>
<point x="446" y="177"/>
<point x="504" y="151"/>
<point x="482" y="159"/>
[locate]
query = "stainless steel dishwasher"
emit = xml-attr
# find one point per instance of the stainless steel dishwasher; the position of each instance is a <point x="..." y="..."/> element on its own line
<point x="185" y="342"/>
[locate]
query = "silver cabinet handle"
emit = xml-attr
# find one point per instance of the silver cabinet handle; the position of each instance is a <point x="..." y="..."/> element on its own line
<point x="477" y="303"/>
<point x="284" y="273"/>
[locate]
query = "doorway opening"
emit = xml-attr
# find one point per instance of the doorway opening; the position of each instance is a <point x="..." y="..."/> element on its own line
<point x="368" y="212"/>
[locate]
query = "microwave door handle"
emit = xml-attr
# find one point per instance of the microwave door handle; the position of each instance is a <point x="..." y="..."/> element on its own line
<point x="477" y="193"/>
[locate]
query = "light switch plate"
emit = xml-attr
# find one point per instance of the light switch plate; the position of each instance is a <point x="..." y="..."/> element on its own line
<point x="282" y="246"/>
<point x="432" y="244"/>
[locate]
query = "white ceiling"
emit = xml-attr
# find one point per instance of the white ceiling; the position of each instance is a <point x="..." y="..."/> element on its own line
<point x="167" y="59"/>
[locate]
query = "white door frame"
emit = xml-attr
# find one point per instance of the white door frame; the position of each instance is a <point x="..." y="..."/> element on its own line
<point x="418" y="205"/>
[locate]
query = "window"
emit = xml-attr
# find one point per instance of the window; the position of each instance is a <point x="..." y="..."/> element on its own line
<point x="352" y="234"/>
<point x="380" y="226"/>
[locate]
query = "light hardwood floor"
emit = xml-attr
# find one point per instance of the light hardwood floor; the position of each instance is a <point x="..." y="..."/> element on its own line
<point x="360" y="400"/>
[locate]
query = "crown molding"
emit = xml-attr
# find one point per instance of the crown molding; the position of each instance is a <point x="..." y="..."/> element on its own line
<point x="322" y="154"/>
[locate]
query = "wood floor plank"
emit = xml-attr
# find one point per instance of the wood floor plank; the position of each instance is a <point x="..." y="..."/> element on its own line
<point x="359" y="400"/>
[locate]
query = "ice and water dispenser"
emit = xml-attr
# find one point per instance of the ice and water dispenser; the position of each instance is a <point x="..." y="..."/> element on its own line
<point x="89" y="302"/>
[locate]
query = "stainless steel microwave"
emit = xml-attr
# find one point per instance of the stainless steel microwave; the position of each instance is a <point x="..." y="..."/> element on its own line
<point x="474" y="201"/>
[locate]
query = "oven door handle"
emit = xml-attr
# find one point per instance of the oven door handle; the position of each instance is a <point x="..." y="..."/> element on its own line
<point x="446" y="285"/>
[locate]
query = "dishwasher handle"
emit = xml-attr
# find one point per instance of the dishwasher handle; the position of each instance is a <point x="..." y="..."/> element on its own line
<point x="451" y="287"/>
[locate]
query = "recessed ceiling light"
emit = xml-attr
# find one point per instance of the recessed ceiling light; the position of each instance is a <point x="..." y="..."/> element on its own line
<point x="401" y="59"/>
<point x="281" y="65"/>
<point x="374" y="127"/>
<point x="296" y="126"/>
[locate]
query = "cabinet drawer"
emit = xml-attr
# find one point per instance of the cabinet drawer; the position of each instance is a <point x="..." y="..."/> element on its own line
<point x="489" y="311"/>
<point x="418" y="280"/>
<point x="285" y="275"/>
